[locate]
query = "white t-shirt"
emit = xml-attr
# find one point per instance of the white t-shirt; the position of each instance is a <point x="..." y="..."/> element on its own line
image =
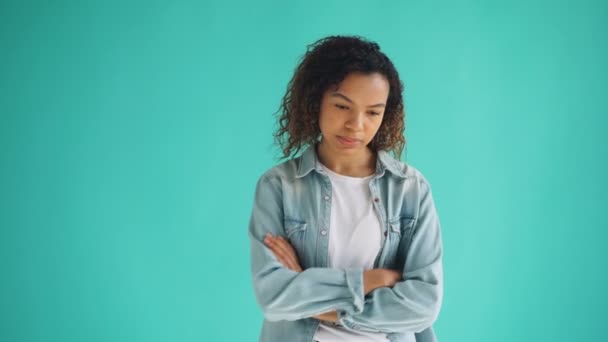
<point x="355" y="238"/>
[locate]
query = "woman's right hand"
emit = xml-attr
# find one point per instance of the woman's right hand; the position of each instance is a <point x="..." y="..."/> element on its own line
<point x="380" y="277"/>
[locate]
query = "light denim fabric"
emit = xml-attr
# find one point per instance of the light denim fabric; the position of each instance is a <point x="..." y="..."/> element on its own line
<point x="293" y="199"/>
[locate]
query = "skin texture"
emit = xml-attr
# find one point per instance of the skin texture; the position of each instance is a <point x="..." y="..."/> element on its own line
<point x="354" y="109"/>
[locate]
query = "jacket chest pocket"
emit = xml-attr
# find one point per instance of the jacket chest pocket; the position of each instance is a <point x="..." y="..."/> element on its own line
<point x="399" y="234"/>
<point x="295" y="232"/>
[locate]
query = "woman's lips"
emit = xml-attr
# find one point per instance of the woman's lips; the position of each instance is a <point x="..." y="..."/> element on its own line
<point x="347" y="141"/>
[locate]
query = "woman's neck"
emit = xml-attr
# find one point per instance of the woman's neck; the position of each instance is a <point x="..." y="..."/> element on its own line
<point x="359" y="164"/>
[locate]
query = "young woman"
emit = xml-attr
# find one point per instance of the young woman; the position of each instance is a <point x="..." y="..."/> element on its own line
<point x="345" y="238"/>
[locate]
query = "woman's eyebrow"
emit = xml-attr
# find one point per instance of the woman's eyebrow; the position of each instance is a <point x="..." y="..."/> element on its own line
<point x="336" y="94"/>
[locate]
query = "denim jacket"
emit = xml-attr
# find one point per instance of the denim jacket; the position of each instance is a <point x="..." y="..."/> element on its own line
<point x="293" y="199"/>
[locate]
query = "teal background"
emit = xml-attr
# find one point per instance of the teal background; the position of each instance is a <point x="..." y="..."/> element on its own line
<point x="132" y="135"/>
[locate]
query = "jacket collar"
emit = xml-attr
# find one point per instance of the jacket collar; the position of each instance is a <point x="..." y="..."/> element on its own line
<point x="309" y="161"/>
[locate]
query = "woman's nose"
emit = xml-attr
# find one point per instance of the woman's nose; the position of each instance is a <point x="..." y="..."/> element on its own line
<point x="355" y="121"/>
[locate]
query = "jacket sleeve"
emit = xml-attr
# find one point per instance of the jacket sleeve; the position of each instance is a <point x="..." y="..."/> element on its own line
<point x="411" y="305"/>
<point x="284" y="294"/>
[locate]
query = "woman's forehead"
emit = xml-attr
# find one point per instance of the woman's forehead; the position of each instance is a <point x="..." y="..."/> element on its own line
<point x="371" y="89"/>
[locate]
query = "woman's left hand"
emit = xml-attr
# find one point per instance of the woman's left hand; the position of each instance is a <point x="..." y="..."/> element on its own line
<point x="284" y="252"/>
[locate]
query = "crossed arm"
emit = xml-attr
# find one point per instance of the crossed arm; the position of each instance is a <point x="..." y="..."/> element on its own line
<point x="372" y="279"/>
<point x="360" y="299"/>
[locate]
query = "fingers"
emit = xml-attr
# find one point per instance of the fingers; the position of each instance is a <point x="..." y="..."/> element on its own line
<point x="394" y="277"/>
<point x="287" y="247"/>
<point x="283" y="251"/>
<point x="287" y="252"/>
<point x="285" y="258"/>
<point x="277" y="244"/>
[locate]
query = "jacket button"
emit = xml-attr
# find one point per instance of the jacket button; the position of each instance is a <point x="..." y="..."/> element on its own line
<point x="324" y="232"/>
<point x="327" y="198"/>
<point x="376" y="199"/>
<point x="385" y="233"/>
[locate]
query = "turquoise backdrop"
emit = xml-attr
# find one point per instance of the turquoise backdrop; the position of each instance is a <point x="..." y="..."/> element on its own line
<point x="132" y="135"/>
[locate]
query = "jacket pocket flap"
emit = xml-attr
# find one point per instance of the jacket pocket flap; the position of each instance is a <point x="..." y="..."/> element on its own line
<point x="401" y="224"/>
<point x="292" y="226"/>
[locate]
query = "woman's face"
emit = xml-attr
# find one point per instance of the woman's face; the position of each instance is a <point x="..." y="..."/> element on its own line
<point x="351" y="115"/>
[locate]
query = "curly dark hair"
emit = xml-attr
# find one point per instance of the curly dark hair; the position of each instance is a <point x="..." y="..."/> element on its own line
<point x="325" y="64"/>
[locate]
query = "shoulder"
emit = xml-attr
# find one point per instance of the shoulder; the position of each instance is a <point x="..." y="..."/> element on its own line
<point x="408" y="171"/>
<point x="285" y="170"/>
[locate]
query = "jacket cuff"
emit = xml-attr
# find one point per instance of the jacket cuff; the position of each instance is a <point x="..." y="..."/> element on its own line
<point x="344" y="320"/>
<point x="354" y="281"/>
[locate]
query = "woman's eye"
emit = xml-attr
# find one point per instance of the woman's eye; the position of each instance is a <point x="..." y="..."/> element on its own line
<point x="341" y="106"/>
<point x="374" y="113"/>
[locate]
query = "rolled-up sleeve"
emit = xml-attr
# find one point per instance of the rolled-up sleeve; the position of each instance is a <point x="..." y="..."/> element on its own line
<point x="284" y="294"/>
<point x="413" y="304"/>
